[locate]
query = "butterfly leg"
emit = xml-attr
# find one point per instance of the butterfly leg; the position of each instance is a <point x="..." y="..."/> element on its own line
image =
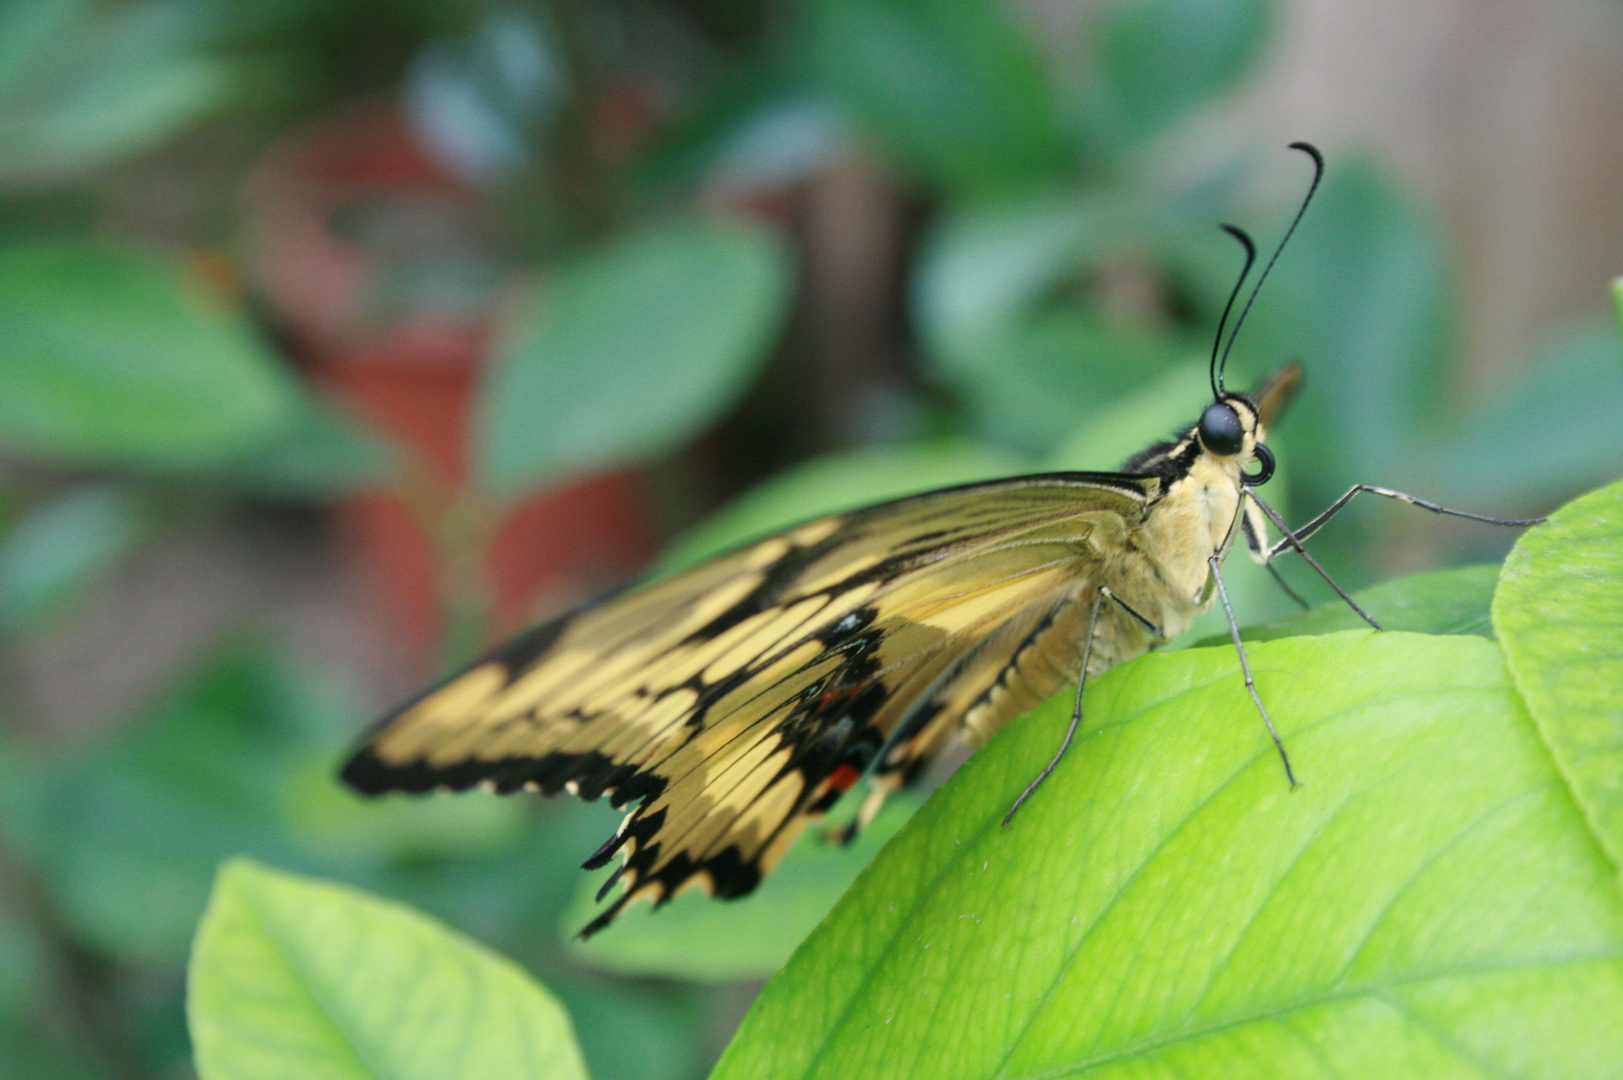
<point x="1335" y="508"/>
<point x="1291" y="540"/>
<point x="1076" y="709"/>
<point x="1215" y="562"/>
<point x="1259" y="553"/>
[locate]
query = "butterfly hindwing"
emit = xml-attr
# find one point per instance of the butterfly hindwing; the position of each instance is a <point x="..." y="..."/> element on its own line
<point x="739" y="699"/>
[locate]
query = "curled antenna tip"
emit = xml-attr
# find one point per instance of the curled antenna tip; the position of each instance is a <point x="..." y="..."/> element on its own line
<point x="1217" y="344"/>
<point x="1311" y="151"/>
<point x="1243" y="237"/>
<point x="1221" y="362"/>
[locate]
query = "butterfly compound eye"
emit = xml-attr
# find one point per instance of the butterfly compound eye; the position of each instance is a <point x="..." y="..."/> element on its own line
<point x="1220" y="429"/>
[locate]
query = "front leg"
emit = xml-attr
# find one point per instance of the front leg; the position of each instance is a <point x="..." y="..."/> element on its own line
<point x="1291" y="540"/>
<point x="1258" y="547"/>
<point x="1335" y="508"/>
<point x="1216" y="563"/>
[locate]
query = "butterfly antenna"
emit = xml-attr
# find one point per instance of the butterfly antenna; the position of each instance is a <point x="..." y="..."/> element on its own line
<point x="1318" y="174"/>
<point x="1217" y="343"/>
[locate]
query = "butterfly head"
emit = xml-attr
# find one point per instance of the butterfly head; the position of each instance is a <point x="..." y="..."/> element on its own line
<point x="1231" y="428"/>
<point x="1229" y="435"/>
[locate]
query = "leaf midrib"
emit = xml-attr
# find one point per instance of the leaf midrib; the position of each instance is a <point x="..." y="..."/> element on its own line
<point x="961" y="850"/>
<point x="307" y="984"/>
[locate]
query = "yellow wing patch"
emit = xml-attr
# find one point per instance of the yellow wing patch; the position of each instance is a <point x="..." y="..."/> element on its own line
<point x="735" y="702"/>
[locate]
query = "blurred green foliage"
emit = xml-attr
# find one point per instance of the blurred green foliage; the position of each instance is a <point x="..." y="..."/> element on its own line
<point x="643" y="169"/>
<point x="630" y="351"/>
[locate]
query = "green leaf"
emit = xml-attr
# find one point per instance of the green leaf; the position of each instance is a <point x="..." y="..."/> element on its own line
<point x="988" y="265"/>
<point x="295" y="977"/>
<point x="630" y="351"/>
<point x="1158" y="58"/>
<point x="1428" y="903"/>
<point x="1026" y="360"/>
<point x="113" y="358"/>
<point x="951" y="87"/>
<point x="838" y="482"/>
<point x="61" y="547"/>
<point x="1169" y="403"/>
<point x="33" y="1046"/>
<point x="1559" y="614"/>
<point x="697" y="939"/>
<point x="1453" y="601"/>
<point x="82" y="84"/>
<point x="325" y="452"/>
<point x="1028" y="385"/>
<point x="1558" y="418"/>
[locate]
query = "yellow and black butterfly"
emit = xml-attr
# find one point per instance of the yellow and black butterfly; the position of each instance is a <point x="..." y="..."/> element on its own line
<point x="735" y="702"/>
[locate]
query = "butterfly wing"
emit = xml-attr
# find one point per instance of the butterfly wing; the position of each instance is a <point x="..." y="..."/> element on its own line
<point x="738" y="700"/>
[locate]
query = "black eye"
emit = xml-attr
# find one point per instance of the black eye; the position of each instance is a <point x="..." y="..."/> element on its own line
<point x="1220" y="429"/>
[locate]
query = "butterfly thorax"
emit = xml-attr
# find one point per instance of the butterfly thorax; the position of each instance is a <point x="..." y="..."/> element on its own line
<point x="1196" y="516"/>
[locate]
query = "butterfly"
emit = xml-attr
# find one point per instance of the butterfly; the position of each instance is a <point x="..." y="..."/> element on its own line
<point x="731" y="705"/>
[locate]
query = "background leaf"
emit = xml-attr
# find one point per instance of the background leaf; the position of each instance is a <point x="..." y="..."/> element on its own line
<point x="1559" y="613"/>
<point x="113" y="358"/>
<point x="952" y="86"/>
<point x="838" y="482"/>
<point x="61" y="547"/>
<point x="630" y="351"/>
<point x="83" y="83"/>
<point x="1158" y="58"/>
<point x="293" y="977"/>
<point x="1505" y="451"/>
<point x="1166" y="907"/>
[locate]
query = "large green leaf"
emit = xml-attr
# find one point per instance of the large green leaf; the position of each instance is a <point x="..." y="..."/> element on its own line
<point x="294" y="977"/>
<point x="1559" y="613"/>
<point x="951" y="87"/>
<point x="1106" y="438"/>
<point x="986" y="265"/>
<point x="630" y="351"/>
<point x="1428" y="903"/>
<point x="113" y="357"/>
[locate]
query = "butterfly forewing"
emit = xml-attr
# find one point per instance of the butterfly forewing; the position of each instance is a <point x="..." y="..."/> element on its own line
<point x="740" y="698"/>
